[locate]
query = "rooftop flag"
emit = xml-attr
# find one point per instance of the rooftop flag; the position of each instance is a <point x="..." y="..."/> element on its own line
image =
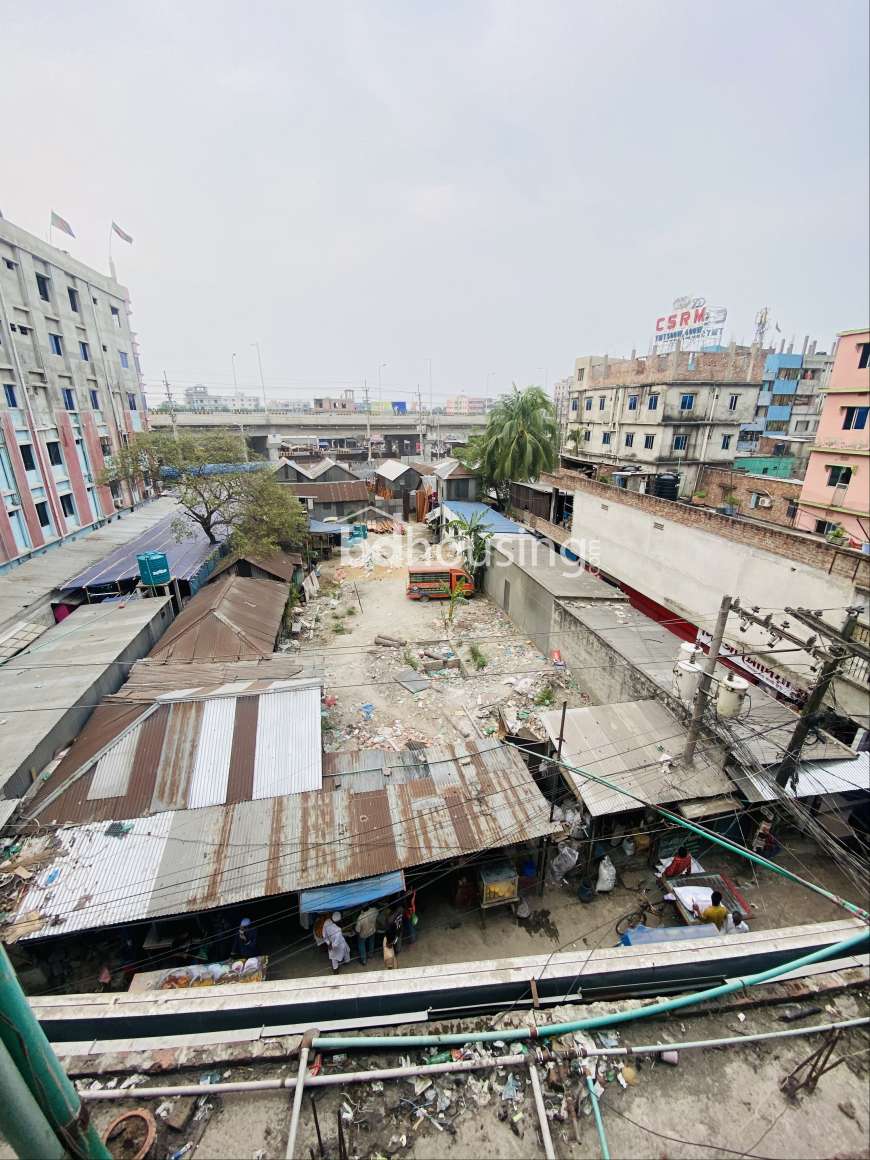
<point x="60" y="223"/>
<point x="122" y="234"/>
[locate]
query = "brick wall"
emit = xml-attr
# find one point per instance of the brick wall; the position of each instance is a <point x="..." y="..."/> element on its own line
<point x="843" y="562"/>
<point x="735" y="365"/>
<point x="719" y="482"/>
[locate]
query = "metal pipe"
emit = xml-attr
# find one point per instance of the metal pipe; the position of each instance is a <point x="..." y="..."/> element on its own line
<point x="335" y="1079"/>
<point x="599" y="1123"/>
<point x="21" y="1118"/>
<point x="374" y="1074"/>
<point x="542" y="1113"/>
<point x="304" y="1052"/>
<point x="511" y="1035"/>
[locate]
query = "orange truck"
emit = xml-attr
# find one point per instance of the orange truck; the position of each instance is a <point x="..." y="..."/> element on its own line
<point x="437" y="582"/>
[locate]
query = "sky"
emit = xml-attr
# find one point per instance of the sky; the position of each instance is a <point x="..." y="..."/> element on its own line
<point x="481" y="191"/>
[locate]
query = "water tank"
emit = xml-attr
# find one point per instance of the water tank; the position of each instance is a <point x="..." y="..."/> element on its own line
<point x="153" y="568"/>
<point x="732" y="693"/>
<point x="666" y="485"/>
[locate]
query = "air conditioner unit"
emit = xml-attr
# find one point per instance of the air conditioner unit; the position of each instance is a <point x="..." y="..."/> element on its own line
<point x="765" y="501"/>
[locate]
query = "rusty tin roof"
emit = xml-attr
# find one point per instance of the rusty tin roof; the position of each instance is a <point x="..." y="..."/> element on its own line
<point x="235" y="618"/>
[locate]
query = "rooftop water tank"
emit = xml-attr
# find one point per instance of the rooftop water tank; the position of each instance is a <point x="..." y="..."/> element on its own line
<point x="153" y="568"/>
<point x="666" y="485"/>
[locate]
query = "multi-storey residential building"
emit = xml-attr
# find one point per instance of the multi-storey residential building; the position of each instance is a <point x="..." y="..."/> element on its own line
<point x="836" y="491"/>
<point x="200" y="398"/>
<point x="561" y="401"/>
<point x="344" y="402"/>
<point x="790" y="399"/>
<point x="468" y="405"/>
<point x="71" y="392"/>
<point x="670" y="412"/>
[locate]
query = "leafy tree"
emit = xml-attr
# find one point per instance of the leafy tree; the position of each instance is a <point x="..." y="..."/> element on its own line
<point x="475" y="536"/>
<point x="520" y="440"/>
<point x="247" y="509"/>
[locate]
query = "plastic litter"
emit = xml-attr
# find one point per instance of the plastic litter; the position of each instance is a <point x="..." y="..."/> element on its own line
<point x="511" y="1089"/>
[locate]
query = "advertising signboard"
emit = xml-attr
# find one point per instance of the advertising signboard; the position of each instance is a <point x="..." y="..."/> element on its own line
<point x="691" y="325"/>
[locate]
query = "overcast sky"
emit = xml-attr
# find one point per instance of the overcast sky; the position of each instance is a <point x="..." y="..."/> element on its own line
<point x="496" y="186"/>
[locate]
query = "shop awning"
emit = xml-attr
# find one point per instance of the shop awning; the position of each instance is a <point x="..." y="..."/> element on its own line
<point x="349" y="895"/>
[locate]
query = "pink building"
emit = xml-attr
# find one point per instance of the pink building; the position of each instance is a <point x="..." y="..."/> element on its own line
<point x="836" y="490"/>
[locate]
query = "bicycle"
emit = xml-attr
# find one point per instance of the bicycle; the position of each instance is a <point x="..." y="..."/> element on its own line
<point x="647" y="908"/>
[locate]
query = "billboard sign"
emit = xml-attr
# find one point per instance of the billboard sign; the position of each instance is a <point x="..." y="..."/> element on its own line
<point x="690" y="325"/>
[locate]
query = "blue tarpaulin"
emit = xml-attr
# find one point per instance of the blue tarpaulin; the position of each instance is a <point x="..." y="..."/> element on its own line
<point x="350" y="895"/>
<point x="322" y="528"/>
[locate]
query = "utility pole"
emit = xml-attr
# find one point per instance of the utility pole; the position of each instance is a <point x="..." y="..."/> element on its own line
<point x="706" y="680"/>
<point x="420" y="415"/>
<point x="262" y="380"/>
<point x="241" y="421"/>
<point x="29" y="1052"/>
<point x="168" y="390"/>
<point x="368" y="418"/>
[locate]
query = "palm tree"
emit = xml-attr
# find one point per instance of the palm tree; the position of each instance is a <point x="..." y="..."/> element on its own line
<point x="520" y="440"/>
<point x="475" y="536"/>
<point x="572" y="440"/>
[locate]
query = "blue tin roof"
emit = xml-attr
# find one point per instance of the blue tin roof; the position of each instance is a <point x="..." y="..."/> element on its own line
<point x="493" y="521"/>
<point x="186" y="557"/>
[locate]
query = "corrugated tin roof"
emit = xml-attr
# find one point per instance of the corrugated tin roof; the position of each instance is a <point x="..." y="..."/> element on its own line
<point x="345" y="491"/>
<point x="18" y="636"/>
<point x="480" y="797"/>
<point x="815" y="779"/>
<point x="282" y="565"/>
<point x="149" y="679"/>
<point x="625" y="743"/>
<point x="325" y="527"/>
<point x="391" y="469"/>
<point x="234" y="618"/>
<point x="184" y="752"/>
<point x="315" y="470"/>
<point x="185" y="557"/>
<point x="492" y="520"/>
<point x="452" y="469"/>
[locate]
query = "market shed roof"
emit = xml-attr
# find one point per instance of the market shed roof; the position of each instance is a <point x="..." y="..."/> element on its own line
<point x="392" y="469"/>
<point x="627" y="744"/>
<point x="476" y="796"/>
<point x="814" y="779"/>
<point x="186" y="557"/>
<point x="492" y="520"/>
<point x="234" y="618"/>
<point x="186" y="752"/>
<point x="345" y="491"/>
<point x="148" y="680"/>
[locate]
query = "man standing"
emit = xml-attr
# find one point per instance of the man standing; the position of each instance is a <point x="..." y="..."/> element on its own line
<point x="365" y="927"/>
<point x="336" y="943"/>
<point x="245" y="944"/>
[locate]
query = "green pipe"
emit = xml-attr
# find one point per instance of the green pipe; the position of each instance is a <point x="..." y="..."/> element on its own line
<point x="21" y="1119"/>
<point x="42" y="1072"/>
<point x="718" y="840"/>
<point x="599" y="1123"/>
<point x="511" y="1035"/>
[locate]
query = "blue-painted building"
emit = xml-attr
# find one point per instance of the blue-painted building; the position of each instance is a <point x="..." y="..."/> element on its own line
<point x="789" y="401"/>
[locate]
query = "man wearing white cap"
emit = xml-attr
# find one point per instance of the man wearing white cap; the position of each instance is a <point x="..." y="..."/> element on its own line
<point x="336" y="943"/>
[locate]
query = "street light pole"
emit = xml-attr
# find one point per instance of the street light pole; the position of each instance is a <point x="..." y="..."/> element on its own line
<point x="380" y="368"/>
<point x="241" y="421"/>
<point x="262" y="380"/>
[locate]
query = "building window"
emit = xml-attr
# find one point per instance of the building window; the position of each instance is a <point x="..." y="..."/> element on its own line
<point x="863" y="355"/>
<point x="652" y="403"/>
<point x="10" y="265"/>
<point x="581" y="371"/>
<point x="726" y="442"/>
<point x="85" y="351"/>
<point x="732" y="402"/>
<point x="632" y="402"/>
<point x="791" y="509"/>
<point x="42" y="514"/>
<point x="802" y="425"/>
<point x="588" y="404"/>
<point x="105" y="446"/>
<point x="116" y="316"/>
<point x="69" y="399"/>
<point x="649" y="442"/>
<point x="601" y="402"/>
<point x="824" y="526"/>
<point x="23" y="330"/>
<point x="681" y="442"/>
<point x="575" y="404"/>
<point x="125" y="362"/>
<point x="67" y="506"/>
<point x="73" y="299"/>
<point x="55" y="342"/>
<point x="605" y="438"/>
<point x="9" y="391"/>
<point x="27" y="457"/>
<point x="687" y="402"/>
<point x="95" y="400"/>
<point x="837" y="476"/>
<point x="776" y="425"/>
<point x="43" y="285"/>
<point x="587" y="435"/>
<point x="131" y="401"/>
<point x="54" y="456"/>
<point x="629" y="439"/>
<point x="855" y="418"/>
